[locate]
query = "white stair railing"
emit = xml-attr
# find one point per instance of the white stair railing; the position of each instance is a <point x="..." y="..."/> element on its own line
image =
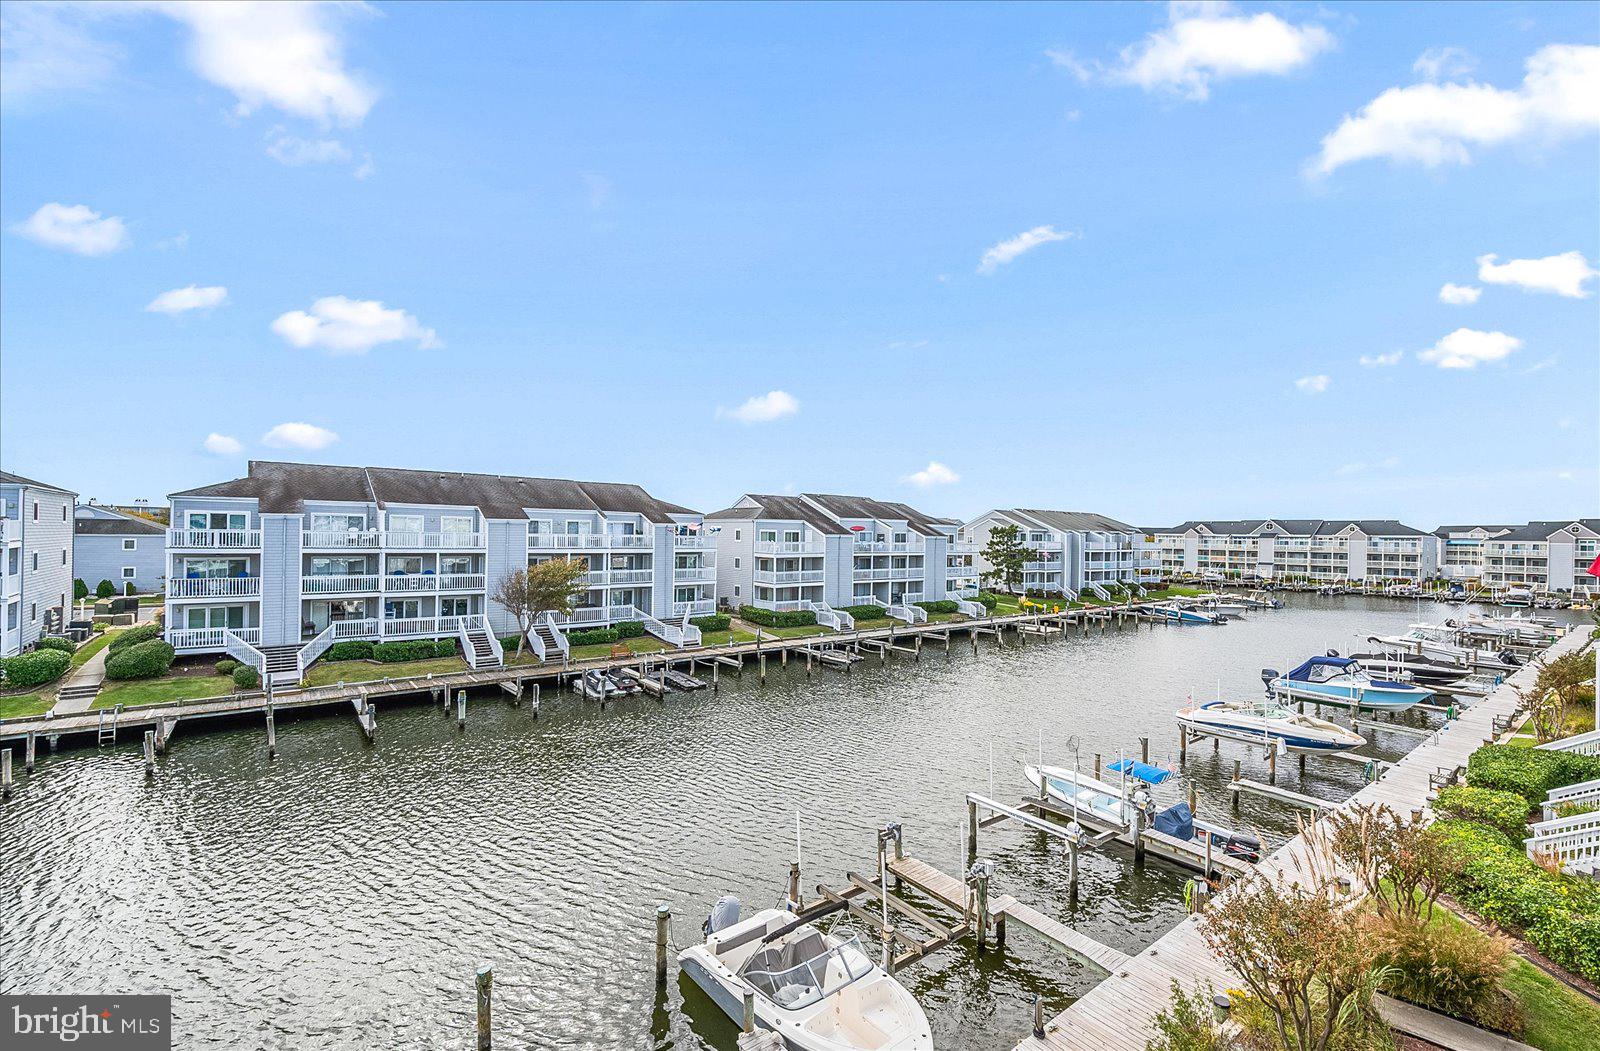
<point x="692" y="635"/>
<point x="314" y="649"/>
<point x="826" y="616"/>
<point x="245" y="653"/>
<point x="907" y="612"/>
<point x="560" y="636"/>
<point x="1582" y="744"/>
<point x="468" y="650"/>
<point x="665" y="632"/>
<point x="970" y="609"/>
<point x="1574" y="842"/>
<point x="1582" y="792"/>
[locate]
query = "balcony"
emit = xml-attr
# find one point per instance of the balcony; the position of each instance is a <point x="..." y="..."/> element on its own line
<point x="409" y="583"/>
<point x="908" y="548"/>
<point x="342" y="539"/>
<point x="397" y="627"/>
<point x="707" y="574"/>
<point x="188" y="639"/>
<point x="587" y="541"/>
<point x="963" y="547"/>
<point x="790" y="547"/>
<point x="693" y="541"/>
<point x="410" y="540"/>
<point x="214" y="539"/>
<point x="214" y="587"/>
<point x="961" y="571"/>
<point x="632" y="576"/>
<point x="698" y="608"/>
<point x="339" y="584"/>
<point x="791" y="577"/>
<point x="1050" y="566"/>
<point x="461" y="582"/>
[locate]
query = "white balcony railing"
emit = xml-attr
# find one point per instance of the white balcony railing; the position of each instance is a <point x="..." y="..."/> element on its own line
<point x="461" y="582"/>
<point x="632" y="576"/>
<point x="341" y="538"/>
<point x="208" y="638"/>
<point x="335" y="584"/>
<point x="409" y="540"/>
<point x="961" y="571"/>
<point x="697" y="608"/>
<point x="227" y="539"/>
<point x="588" y="541"/>
<point x="213" y="587"/>
<point x="911" y="548"/>
<point x="410" y="582"/>
<point x="693" y="541"/>
<point x="799" y="576"/>
<point x="699" y="573"/>
<point x="789" y="547"/>
<point x="418" y="627"/>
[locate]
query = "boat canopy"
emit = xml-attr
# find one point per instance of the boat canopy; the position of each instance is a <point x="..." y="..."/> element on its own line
<point x="1150" y="775"/>
<point x="1303" y="673"/>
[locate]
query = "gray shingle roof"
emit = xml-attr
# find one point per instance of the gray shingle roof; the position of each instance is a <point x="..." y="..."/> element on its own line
<point x="782" y="508"/>
<point x="1301" y="526"/>
<point x="866" y="507"/>
<point x="1444" y="531"/>
<point x="1078" y="521"/>
<point x="7" y="478"/>
<point x="1545" y="530"/>
<point x="120" y="525"/>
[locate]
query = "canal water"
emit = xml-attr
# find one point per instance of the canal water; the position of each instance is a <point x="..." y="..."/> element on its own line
<point x="345" y="894"/>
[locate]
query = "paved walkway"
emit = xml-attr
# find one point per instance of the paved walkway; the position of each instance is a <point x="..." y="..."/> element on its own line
<point x="77" y="694"/>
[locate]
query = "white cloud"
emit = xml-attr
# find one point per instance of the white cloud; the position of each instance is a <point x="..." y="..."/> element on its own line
<point x="1211" y="42"/>
<point x="1027" y="241"/>
<point x="222" y="445"/>
<point x="1466" y="348"/>
<point x="75" y="228"/>
<point x="1444" y="63"/>
<point x="181" y="300"/>
<point x="1313" y="384"/>
<point x="1379" y="361"/>
<point x="1540" y="365"/>
<point x="1563" y="274"/>
<point x="47" y="48"/>
<point x="351" y="326"/>
<point x="1433" y="124"/>
<point x="1065" y="59"/>
<point x="299" y="436"/>
<point x="295" y="151"/>
<point x="763" y="408"/>
<point x="1459" y="295"/>
<point x="935" y="473"/>
<point x="365" y="169"/>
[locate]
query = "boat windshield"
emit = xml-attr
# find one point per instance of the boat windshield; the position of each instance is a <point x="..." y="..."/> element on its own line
<point x="801" y="972"/>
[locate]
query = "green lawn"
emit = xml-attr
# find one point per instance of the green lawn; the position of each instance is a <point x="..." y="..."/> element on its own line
<point x="1559" y="1019"/>
<point x="135" y="692"/>
<point x="24" y="704"/>
<point x="90" y="648"/>
<point x="326" y="673"/>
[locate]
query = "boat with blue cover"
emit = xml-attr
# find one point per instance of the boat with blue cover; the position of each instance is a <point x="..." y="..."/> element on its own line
<point x="1341" y="680"/>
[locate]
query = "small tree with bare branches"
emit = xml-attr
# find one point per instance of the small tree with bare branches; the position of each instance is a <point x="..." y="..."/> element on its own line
<point x="544" y="587"/>
<point x="1554" y="693"/>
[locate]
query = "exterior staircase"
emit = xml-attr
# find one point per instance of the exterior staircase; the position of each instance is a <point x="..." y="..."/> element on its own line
<point x="478" y="644"/>
<point x="283" y="666"/>
<point x="76" y="697"/>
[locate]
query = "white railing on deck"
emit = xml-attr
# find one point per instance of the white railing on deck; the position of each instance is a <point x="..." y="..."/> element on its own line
<point x="1582" y="744"/>
<point x="798" y="576"/>
<point x="692" y="540"/>
<point x="415" y="540"/>
<point x="868" y="600"/>
<point x="970" y="609"/>
<point x="209" y="638"/>
<point x="410" y="582"/>
<point x="1582" y="792"/>
<point x="787" y="605"/>
<point x="418" y="627"/>
<point x="461" y="582"/>
<point x="1574" y="842"/>
<point x="907" y="612"/>
<point x="790" y="547"/>
<point x="694" y="575"/>
<point x="325" y="584"/>
<point x="632" y="576"/>
<point x="245" y="653"/>
<point x="223" y="538"/>
<point x="213" y="587"/>
<point x="361" y="628"/>
<point x="363" y="538"/>
<point x="698" y="608"/>
<point x="560" y="636"/>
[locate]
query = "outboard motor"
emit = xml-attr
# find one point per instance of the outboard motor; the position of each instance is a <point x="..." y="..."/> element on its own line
<point x="1511" y="659"/>
<point x="1267" y="675"/>
<point x="1333" y="653"/>
<point x="1242" y="845"/>
<point x="724" y="914"/>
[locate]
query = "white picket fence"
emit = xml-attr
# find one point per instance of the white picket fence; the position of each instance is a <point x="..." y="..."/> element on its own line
<point x="1574" y="842"/>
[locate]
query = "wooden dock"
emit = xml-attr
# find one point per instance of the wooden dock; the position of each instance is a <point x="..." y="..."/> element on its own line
<point x="1117" y="1013"/>
<point x="1283" y="795"/>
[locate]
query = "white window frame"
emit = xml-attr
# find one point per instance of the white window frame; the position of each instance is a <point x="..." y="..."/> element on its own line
<point x="130" y="544"/>
<point x="398" y="522"/>
<point x="452" y="524"/>
<point x="130" y="572"/>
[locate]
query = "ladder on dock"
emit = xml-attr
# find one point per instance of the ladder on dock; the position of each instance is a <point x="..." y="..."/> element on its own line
<point x="106" y="728"/>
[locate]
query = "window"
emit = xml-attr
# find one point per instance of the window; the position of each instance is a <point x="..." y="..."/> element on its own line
<point x="63" y="556"/>
<point x="736" y="591"/>
<point x="405" y="523"/>
<point x="33" y="607"/>
<point x="128" y="572"/>
<point x="455" y="564"/>
<point x="196" y="568"/>
<point x="737" y="534"/>
<point x="736" y="563"/>
<point x="64" y="516"/>
<point x="200" y="617"/>
<point x="325" y="523"/>
<point x="36" y="561"/>
<point x="452" y="607"/>
<point x="130" y="544"/>
<point x="217" y="520"/>
<point x="36" y="510"/>
<point x="791" y="536"/>
<point x="401" y="609"/>
<point x="402" y="565"/>
<point x="767" y="536"/>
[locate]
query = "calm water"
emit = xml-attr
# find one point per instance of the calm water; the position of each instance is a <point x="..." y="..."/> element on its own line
<point x="345" y="894"/>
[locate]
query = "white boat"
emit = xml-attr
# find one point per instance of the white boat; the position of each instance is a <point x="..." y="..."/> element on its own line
<point x="1258" y="722"/>
<point x="819" y="992"/>
<point x="1342" y="680"/>
<point x="1443" y="642"/>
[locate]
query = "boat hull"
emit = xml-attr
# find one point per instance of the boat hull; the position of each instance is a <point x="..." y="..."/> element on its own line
<point x="1379" y="698"/>
<point x="1293" y="740"/>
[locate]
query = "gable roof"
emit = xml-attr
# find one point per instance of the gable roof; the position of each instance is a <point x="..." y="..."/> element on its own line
<point x="1444" y="531"/>
<point x="7" y="478"/>
<point x="286" y="487"/>
<point x="866" y="507"/>
<point x="1078" y="521"/>
<point x="115" y="523"/>
<point x="1300" y="526"/>
<point x="782" y="508"/>
<point x="1545" y="530"/>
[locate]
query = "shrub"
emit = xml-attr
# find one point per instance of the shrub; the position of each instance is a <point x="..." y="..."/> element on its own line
<point x="225" y="666"/>
<point x="98" y="626"/>
<point x="35" y="668"/>
<point x="245" y="677"/>
<point x="135" y="635"/>
<point x="142" y="660"/>
<point x="794" y="618"/>
<point x="414" y="650"/>
<point x="105" y="589"/>
<point x="1187" y="1024"/>
<point x="56" y="642"/>
<point x="1450" y="967"/>
<point x="629" y="629"/>
<point x="942" y="605"/>
<point x="715" y="622"/>
<point x="80" y="590"/>
<point x="592" y="637"/>
<point x="865" y="612"/>
<point x="1529" y="772"/>
<point x="1505" y="811"/>
<point x="988" y="601"/>
<point x="353" y="650"/>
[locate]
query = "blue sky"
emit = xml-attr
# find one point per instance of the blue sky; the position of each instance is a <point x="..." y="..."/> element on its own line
<point x="594" y="241"/>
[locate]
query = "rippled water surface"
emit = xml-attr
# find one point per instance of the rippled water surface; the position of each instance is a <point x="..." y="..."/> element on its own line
<point x="344" y="894"/>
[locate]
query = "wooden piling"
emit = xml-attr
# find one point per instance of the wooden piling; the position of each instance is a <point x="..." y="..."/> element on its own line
<point x="1097" y="766"/>
<point x="272" y="734"/>
<point x="972" y="819"/>
<point x="485" y="983"/>
<point x="1038" y="1017"/>
<point x="794" y="884"/>
<point x="1072" y="870"/>
<point x="149" y="753"/>
<point x="749" y="1023"/>
<point x="1144" y="749"/>
<point x="536" y="700"/>
<point x="663" y="925"/>
<point x="1272" y="765"/>
<point x="5" y="773"/>
<point x="1138" y="835"/>
<point x="983" y="909"/>
<point x="1183" y="745"/>
<point x="461" y="709"/>
<point x="29" y="752"/>
<point x="1191" y="799"/>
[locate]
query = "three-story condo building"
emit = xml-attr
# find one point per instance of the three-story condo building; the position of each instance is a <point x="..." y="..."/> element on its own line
<point x="1373" y="550"/>
<point x="815" y="551"/>
<point x="35" y="561"/>
<point x="300" y="555"/>
<point x="1544" y="556"/>
<point x="1461" y="549"/>
<point x="1077" y="550"/>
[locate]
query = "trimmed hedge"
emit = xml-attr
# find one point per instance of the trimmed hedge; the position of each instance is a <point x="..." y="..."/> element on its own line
<point x="794" y="618"/>
<point x="1529" y="772"/>
<point x="105" y="589"/>
<point x="1560" y="915"/>
<point x="245" y="677"/>
<point x="135" y="635"/>
<point x="353" y="650"/>
<point x="629" y="629"/>
<point x="80" y="590"/>
<point x="225" y="666"/>
<point x="1504" y="811"/>
<point x="98" y="626"/>
<point x="988" y="601"/>
<point x="592" y="637"/>
<point x="414" y="650"/>
<point x="56" y="642"/>
<point x="715" y="622"/>
<point x="865" y="612"/>
<point x="943" y="605"/>
<point x="35" y="668"/>
<point x="142" y="660"/>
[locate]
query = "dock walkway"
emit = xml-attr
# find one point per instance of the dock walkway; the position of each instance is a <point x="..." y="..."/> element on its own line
<point x="1118" y="1012"/>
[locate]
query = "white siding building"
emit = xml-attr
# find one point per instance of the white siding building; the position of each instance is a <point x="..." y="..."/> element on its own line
<point x="35" y="561"/>
<point x="1544" y="556"/>
<point x="1321" y="550"/>
<point x="1078" y="550"/>
<point x="1461" y="549"/>
<point x="129" y="551"/>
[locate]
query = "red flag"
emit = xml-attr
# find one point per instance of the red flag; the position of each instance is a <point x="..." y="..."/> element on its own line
<point x="1594" y="568"/>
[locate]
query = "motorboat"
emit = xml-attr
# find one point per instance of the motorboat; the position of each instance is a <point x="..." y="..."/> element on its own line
<point x="1256" y="722"/>
<point x="818" y="991"/>
<point x="1120" y="804"/>
<point x="1417" y="668"/>
<point x="1185" y="615"/>
<point x="1517" y="597"/>
<point x="595" y="685"/>
<point x="1443" y="642"/>
<point x="623" y="681"/>
<point x="1341" y="680"/>
<point x="1218" y="603"/>
<point x="1519" y="628"/>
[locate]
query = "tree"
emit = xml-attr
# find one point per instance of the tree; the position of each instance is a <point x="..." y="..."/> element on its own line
<point x="1553" y="693"/>
<point x="544" y="587"/>
<point x="105" y="589"/>
<point x="1397" y="862"/>
<point x="1006" y="555"/>
<point x="80" y="590"/>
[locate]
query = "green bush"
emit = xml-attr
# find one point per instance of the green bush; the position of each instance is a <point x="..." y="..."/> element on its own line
<point x="629" y="629"/>
<point x="105" y="589"/>
<point x="1188" y="1023"/>
<point x="988" y="601"/>
<point x="1559" y="914"/>
<point x="225" y="666"/>
<point x="135" y="635"/>
<point x="794" y="618"/>
<point x="353" y="650"/>
<point x="142" y="660"/>
<point x="98" y="626"/>
<point x="592" y="637"/>
<point x="414" y="650"/>
<point x="56" y="642"/>
<point x="80" y="590"/>
<point x="943" y="605"/>
<point x="714" y="622"/>
<point x="1529" y="772"/>
<point x="1505" y="811"/>
<point x="245" y="677"/>
<point x="35" y="668"/>
<point x="865" y="612"/>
